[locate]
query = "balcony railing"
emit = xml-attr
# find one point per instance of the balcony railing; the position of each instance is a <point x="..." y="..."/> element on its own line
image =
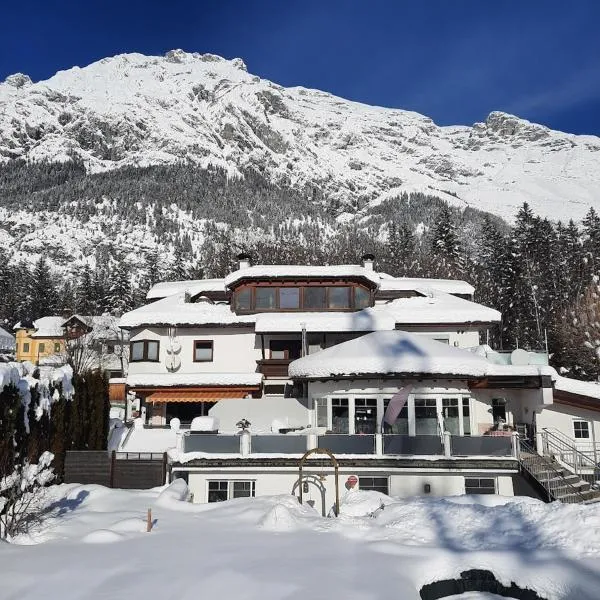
<point x="377" y="445"/>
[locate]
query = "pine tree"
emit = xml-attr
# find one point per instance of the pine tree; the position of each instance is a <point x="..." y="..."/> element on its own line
<point x="445" y="246"/>
<point x="44" y="297"/>
<point x="120" y="294"/>
<point x="85" y="296"/>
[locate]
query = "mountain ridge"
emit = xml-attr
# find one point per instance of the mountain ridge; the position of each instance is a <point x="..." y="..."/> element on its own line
<point x="137" y="110"/>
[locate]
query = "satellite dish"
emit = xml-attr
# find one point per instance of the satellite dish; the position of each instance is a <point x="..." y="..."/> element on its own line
<point x="519" y="357"/>
<point x="173" y="362"/>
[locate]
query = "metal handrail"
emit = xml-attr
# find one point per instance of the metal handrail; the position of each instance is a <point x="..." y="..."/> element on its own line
<point x="570" y="456"/>
<point x="577" y="445"/>
<point x="550" y="484"/>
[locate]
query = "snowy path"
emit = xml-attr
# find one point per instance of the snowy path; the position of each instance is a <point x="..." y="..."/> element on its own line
<point x="271" y="548"/>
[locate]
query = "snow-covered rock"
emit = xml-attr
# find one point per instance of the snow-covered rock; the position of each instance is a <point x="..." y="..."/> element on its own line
<point x="141" y="110"/>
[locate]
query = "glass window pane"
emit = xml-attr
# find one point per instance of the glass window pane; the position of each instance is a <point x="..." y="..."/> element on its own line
<point x="425" y="417"/>
<point x="137" y="350"/>
<point x="217" y="491"/>
<point x="339" y="415"/>
<point x="365" y="415"/>
<point x="339" y="297"/>
<point x="265" y="298"/>
<point x="42" y="347"/>
<point x="314" y="297"/>
<point x="152" y="350"/>
<point x="321" y="408"/>
<point x="243" y="299"/>
<point x="289" y="297"/>
<point x="451" y="414"/>
<point x="203" y="351"/>
<point x="362" y="297"/>
<point x="243" y="489"/>
<point x="378" y="484"/>
<point x="466" y="417"/>
<point x="400" y="426"/>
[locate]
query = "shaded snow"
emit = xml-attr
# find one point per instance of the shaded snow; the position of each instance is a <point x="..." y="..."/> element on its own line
<point x="270" y="548"/>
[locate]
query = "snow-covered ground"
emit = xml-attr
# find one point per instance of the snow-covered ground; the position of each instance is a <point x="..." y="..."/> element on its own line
<point x="94" y="546"/>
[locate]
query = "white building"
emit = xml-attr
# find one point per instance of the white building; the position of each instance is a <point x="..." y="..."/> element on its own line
<point x="311" y="357"/>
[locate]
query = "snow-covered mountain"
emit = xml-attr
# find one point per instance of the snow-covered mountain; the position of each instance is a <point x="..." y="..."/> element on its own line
<point x="135" y="110"/>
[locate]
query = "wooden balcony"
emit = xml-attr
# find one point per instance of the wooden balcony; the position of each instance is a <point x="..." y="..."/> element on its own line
<point x="274" y="367"/>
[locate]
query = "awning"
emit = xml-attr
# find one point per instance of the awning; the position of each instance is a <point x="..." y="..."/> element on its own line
<point x="206" y="395"/>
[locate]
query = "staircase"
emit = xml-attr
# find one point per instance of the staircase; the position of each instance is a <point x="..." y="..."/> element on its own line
<point x="558" y="482"/>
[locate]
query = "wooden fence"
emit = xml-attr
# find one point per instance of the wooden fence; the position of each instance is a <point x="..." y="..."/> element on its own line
<point x="126" y="470"/>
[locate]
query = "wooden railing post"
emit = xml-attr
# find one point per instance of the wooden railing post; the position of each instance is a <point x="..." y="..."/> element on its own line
<point x="113" y="461"/>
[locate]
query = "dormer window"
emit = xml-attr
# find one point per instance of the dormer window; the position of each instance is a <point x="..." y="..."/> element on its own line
<point x="263" y="297"/>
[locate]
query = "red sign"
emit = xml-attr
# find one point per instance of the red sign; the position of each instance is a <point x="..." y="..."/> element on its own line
<point x="352" y="481"/>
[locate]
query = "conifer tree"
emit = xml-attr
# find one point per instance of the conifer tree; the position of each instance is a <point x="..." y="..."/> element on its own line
<point x="43" y="293"/>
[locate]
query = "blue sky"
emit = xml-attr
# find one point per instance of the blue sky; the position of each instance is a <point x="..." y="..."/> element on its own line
<point x="453" y="60"/>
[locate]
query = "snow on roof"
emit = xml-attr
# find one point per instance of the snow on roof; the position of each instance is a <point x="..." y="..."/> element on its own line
<point x="7" y="340"/>
<point x="149" y="440"/>
<point x="450" y="286"/>
<point x="175" y="311"/>
<point x="48" y="327"/>
<point x="193" y="286"/>
<point x="193" y="379"/>
<point x="389" y="352"/>
<point x="438" y="308"/>
<point x="302" y="271"/>
<point x="574" y="386"/>
<point x="364" y="320"/>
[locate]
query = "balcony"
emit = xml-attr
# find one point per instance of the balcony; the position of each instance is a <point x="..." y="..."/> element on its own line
<point x="370" y="445"/>
<point x="274" y="367"/>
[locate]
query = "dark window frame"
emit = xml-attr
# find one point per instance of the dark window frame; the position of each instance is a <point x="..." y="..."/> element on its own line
<point x="56" y="346"/>
<point x="212" y="351"/>
<point x="374" y="483"/>
<point x="145" y="352"/>
<point x="480" y="485"/>
<point x="26" y="346"/>
<point x="42" y="347"/>
<point x="579" y="428"/>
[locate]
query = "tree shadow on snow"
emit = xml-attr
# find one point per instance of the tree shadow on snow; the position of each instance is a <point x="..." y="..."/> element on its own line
<point x="66" y="505"/>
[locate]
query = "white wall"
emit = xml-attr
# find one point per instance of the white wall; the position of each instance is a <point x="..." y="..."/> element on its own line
<point x="235" y="350"/>
<point x="261" y="412"/>
<point x="561" y="417"/>
<point x="284" y="481"/>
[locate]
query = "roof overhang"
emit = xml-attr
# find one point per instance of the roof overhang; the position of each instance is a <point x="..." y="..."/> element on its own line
<point x="202" y="394"/>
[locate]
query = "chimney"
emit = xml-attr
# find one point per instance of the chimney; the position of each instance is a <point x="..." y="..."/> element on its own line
<point x="368" y="261"/>
<point x="243" y="261"/>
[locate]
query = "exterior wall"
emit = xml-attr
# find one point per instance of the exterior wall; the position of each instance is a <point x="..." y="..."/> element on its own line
<point x="235" y="350"/>
<point x="561" y="417"/>
<point x="458" y="338"/>
<point x="262" y="413"/>
<point x="23" y="336"/>
<point x="269" y="482"/>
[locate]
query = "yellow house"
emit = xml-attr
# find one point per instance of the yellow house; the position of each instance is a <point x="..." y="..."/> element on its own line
<point x="38" y="340"/>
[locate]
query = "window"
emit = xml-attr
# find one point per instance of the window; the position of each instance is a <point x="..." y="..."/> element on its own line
<point x="442" y="341"/>
<point x="285" y="349"/>
<point x="25" y="347"/>
<point x="315" y="298"/>
<point x="219" y="491"/>
<point x="203" y="351"/>
<point x="400" y="426"/>
<point x="339" y="415"/>
<point x="581" y="430"/>
<point x="243" y="299"/>
<point x="426" y="422"/>
<point x="289" y="298"/>
<point x="466" y="412"/>
<point x="243" y="489"/>
<point x="266" y="298"/>
<point x="144" y="350"/>
<point x="362" y="298"/>
<point x="451" y="414"/>
<point x="365" y="415"/>
<point x="480" y="485"/>
<point x="110" y="349"/>
<point x="42" y="347"/>
<point x="377" y="484"/>
<point x="339" y="297"/>
<point x="321" y="412"/>
<point x="56" y="347"/>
